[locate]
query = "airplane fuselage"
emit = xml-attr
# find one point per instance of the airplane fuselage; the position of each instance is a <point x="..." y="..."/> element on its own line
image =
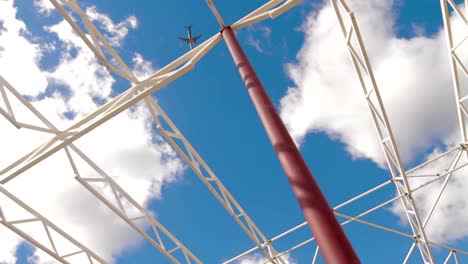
<point x="190" y="40"/>
<point x="189" y="32"/>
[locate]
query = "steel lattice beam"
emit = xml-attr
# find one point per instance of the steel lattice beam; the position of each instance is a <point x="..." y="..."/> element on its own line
<point x="142" y="89"/>
<point x="126" y="203"/>
<point x="94" y="39"/>
<point x="449" y="157"/>
<point x="117" y="105"/>
<point x="172" y="135"/>
<point x="120" y="195"/>
<point x="359" y="57"/>
<point x="455" y="40"/>
<point x="47" y="226"/>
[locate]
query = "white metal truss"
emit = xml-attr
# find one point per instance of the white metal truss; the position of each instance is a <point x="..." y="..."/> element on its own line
<point x="163" y="237"/>
<point x="170" y="132"/>
<point x="452" y="255"/>
<point x="94" y="39"/>
<point x="142" y="89"/>
<point x="270" y="9"/>
<point x="358" y="54"/>
<point x="125" y="204"/>
<point x="16" y="225"/>
<point x="455" y="40"/>
<point x="115" y="106"/>
<point x="452" y="163"/>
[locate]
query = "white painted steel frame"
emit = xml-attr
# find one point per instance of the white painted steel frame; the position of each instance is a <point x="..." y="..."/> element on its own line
<point x="210" y="180"/>
<point x="120" y="195"/>
<point x="126" y="203"/>
<point x="94" y="39"/>
<point x="271" y="9"/>
<point x="112" y="108"/>
<point x="369" y="86"/>
<point x="143" y="89"/>
<point x="456" y="64"/>
<point x="48" y="247"/>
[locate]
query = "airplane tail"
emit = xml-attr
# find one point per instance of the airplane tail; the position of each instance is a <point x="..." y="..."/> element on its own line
<point x="189" y="26"/>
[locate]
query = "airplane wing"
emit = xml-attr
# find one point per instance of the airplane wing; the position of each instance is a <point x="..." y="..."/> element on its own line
<point x="196" y="38"/>
<point x="185" y="39"/>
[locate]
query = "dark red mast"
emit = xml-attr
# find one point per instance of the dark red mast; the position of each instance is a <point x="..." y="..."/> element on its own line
<point x="330" y="237"/>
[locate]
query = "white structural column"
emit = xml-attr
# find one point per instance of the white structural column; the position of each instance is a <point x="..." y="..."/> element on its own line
<point x="53" y="233"/>
<point x="358" y="54"/>
<point x="180" y="144"/>
<point x="456" y="37"/>
<point x="124" y="201"/>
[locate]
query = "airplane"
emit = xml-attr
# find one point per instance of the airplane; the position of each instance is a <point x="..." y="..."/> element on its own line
<point x="190" y="40"/>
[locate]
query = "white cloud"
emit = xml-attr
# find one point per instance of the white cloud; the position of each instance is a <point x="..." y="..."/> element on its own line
<point x="8" y="244"/>
<point x="258" y="36"/>
<point x="86" y="78"/>
<point x="116" y="32"/>
<point x="254" y="43"/>
<point x="328" y="98"/>
<point x="415" y="83"/>
<point x="141" y="67"/>
<point x="124" y="147"/>
<point x="260" y="259"/>
<point x="15" y="48"/>
<point x="44" y="6"/>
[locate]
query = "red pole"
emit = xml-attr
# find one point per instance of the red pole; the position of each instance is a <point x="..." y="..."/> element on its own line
<point x="333" y="243"/>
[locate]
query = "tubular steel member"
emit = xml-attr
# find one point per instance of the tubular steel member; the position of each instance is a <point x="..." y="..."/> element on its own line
<point x="333" y="243"/>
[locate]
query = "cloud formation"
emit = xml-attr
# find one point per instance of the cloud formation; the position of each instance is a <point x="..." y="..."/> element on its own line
<point x="115" y="32"/>
<point x="258" y="36"/>
<point x="413" y="76"/>
<point x="327" y="96"/>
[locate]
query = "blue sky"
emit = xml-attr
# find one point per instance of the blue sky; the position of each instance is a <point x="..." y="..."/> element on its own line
<point x="212" y="109"/>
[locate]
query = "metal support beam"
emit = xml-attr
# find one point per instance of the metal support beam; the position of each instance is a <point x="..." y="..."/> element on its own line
<point x="271" y="9"/>
<point x="123" y="199"/>
<point x="333" y="242"/>
<point x="117" y="105"/>
<point x="172" y="134"/>
<point x="47" y="226"/>
<point x="455" y="41"/>
<point x="165" y="242"/>
<point x="94" y="39"/>
<point x="360" y="60"/>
